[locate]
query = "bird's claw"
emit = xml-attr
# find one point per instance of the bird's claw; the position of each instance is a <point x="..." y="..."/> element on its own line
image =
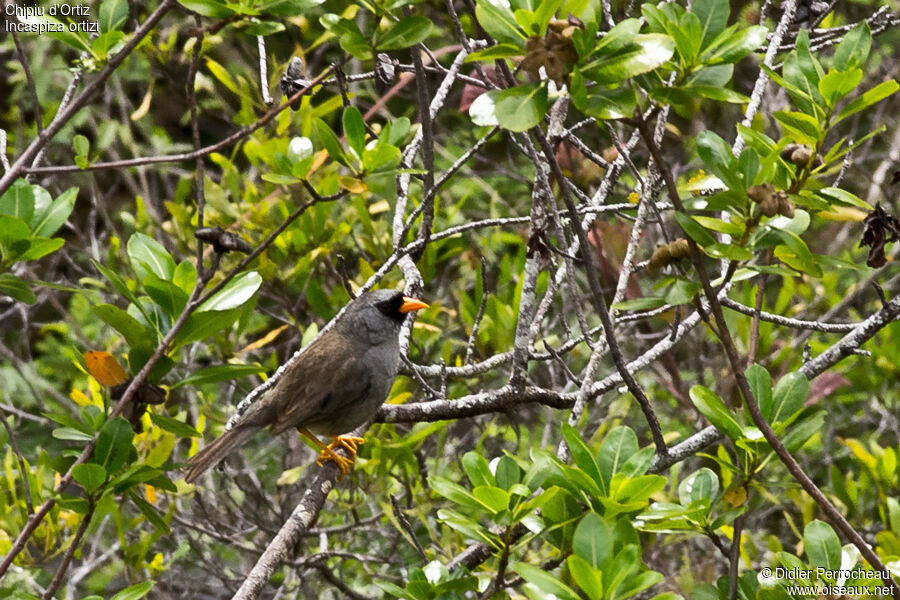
<point x="348" y="443"/>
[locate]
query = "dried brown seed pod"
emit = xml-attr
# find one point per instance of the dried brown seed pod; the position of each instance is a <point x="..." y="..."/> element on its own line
<point x="789" y="150"/>
<point x="769" y="207"/>
<point x="785" y="206"/>
<point x="661" y="257"/>
<point x="801" y="156"/>
<point x="760" y="192"/>
<point x="679" y="248"/>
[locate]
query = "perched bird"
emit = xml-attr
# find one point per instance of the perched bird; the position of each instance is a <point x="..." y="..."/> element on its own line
<point x="333" y="387"/>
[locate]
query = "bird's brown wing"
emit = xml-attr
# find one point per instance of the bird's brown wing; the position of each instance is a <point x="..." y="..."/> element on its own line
<point x="322" y="382"/>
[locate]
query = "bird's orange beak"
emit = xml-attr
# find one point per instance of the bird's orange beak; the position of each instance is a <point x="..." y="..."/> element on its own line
<point x="411" y="304"/>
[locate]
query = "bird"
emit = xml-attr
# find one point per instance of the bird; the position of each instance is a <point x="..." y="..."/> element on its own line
<point x="334" y="386"/>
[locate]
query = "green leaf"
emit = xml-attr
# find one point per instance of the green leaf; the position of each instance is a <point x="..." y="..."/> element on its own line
<point x="90" y="476"/>
<point x="682" y="291"/>
<point x="636" y="490"/>
<point x="838" y="84"/>
<point x="39" y="247"/>
<point x="175" y="426"/>
<point x="18" y="201"/>
<point x="582" y="455"/>
<point x="495" y="52"/>
<point x="790" y="394"/>
<point x="845" y="197"/>
<point x="383" y="157"/>
<point x="148" y="256"/>
<point x="722" y="94"/>
<point x="407" y="32"/>
<point x="735" y="46"/>
<point x="287" y="8"/>
<point x="728" y="252"/>
<point x="14" y="234"/>
<point x="201" y="325"/>
<point x="113" y="444"/>
<point x="713" y="18"/>
<point x="166" y="294"/>
<point x="354" y="130"/>
<point x="47" y="220"/>
<point x="15" y="288"/>
<point x="645" y="53"/>
<point x="802" y="430"/>
<point x="688" y="36"/>
<point x="131" y="329"/>
<point x="869" y="97"/>
<point x="507" y="472"/>
<point x="330" y="142"/>
<point x="82" y="146"/>
<point x="477" y="469"/>
<point x="646" y="303"/>
<point x="135" y="592"/>
<point x="350" y="37"/>
<point x="593" y="540"/>
<point x="853" y="50"/>
<point x="149" y="512"/>
<point x="589" y="580"/>
<point x="467" y="527"/>
<point x="717" y="156"/>
<point x="493" y="498"/>
<point x="694" y="230"/>
<point x="117" y="282"/>
<point x="112" y="14"/>
<point x="602" y="103"/>
<point x="702" y="484"/>
<point x="544" y="581"/>
<point x="712" y="407"/>
<point x="522" y="107"/>
<point x="70" y="433"/>
<point x="454" y="492"/>
<point x="801" y="127"/>
<point x="615" y="449"/>
<point x="237" y="292"/>
<point x="208" y="8"/>
<point x="219" y="373"/>
<point x="822" y="545"/>
<point x="761" y="387"/>
<point x="498" y="21"/>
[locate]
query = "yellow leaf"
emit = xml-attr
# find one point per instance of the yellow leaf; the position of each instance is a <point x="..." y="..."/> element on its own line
<point x="379" y="207"/>
<point x="263" y="341"/>
<point x="352" y="184"/>
<point x="426" y="327"/>
<point x="861" y="453"/>
<point x="318" y="161"/>
<point x="79" y="398"/>
<point x="736" y="496"/>
<point x="400" y="398"/>
<point x="844" y="214"/>
<point x="150" y="493"/>
<point x="144" y="107"/>
<point x="291" y="476"/>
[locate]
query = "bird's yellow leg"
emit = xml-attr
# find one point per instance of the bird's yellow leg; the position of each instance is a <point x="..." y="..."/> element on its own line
<point x="347" y="442"/>
<point x="328" y="453"/>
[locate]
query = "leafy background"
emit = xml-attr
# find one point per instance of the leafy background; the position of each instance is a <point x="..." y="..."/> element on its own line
<point x="479" y="479"/>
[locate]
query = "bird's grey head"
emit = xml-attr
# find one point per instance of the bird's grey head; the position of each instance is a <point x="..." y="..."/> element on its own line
<point x="379" y="314"/>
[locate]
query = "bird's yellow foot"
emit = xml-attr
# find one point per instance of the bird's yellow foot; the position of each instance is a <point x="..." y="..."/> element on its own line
<point x="344" y="464"/>
<point x="348" y="443"/>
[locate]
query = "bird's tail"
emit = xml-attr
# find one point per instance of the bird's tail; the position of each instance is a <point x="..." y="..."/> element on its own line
<point x="218" y="449"/>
